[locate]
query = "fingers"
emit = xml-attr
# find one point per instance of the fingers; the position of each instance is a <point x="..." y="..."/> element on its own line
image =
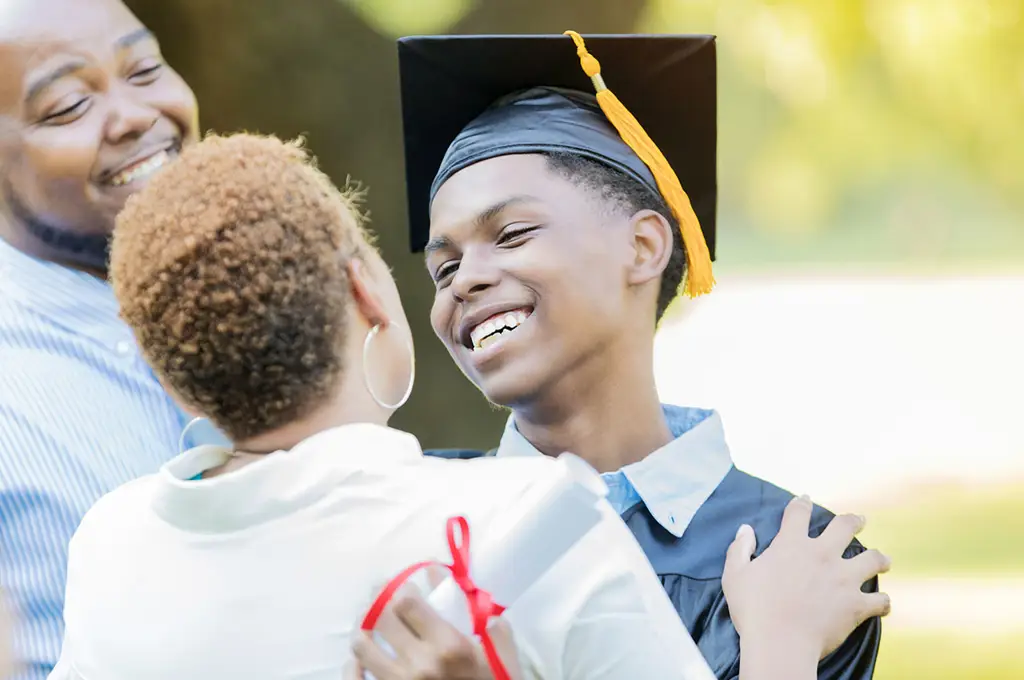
<point x="373" y="659"/>
<point x="873" y="604"/>
<point x="396" y="632"/>
<point x="840" y="532"/>
<point x="740" y="551"/>
<point x="423" y="622"/>
<point x="796" y="520"/>
<point x="868" y="565"/>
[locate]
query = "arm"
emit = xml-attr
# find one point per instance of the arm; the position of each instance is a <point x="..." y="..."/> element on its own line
<point x="799" y="601"/>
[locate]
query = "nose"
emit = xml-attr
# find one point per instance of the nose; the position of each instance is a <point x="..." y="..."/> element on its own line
<point x="475" y="275"/>
<point x="129" y="117"/>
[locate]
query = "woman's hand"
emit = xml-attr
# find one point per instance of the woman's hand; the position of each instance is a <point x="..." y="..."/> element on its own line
<point x="426" y="646"/>
<point x="799" y="600"/>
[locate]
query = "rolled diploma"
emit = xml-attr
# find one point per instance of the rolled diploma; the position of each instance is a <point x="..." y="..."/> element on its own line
<point x="525" y="542"/>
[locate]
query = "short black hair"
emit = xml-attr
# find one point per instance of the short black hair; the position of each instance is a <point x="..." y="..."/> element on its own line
<point x="629" y="195"/>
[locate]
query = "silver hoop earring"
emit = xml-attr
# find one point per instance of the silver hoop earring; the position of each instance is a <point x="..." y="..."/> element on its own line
<point x="212" y="436"/>
<point x="184" y="433"/>
<point x="366" y="372"/>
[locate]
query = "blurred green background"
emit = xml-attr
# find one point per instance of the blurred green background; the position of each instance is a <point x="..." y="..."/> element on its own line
<point x="878" y="138"/>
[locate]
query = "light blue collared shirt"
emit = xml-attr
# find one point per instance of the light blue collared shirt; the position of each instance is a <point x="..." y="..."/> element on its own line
<point x="80" y="414"/>
<point x="674" y="481"/>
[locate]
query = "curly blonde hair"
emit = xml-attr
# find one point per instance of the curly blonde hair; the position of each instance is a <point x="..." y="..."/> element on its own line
<point x="230" y="267"/>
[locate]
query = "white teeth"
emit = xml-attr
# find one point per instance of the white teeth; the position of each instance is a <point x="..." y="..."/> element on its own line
<point x="143" y="169"/>
<point x="489" y="340"/>
<point x="494" y="328"/>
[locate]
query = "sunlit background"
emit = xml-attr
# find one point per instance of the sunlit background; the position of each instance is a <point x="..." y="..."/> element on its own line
<point x="864" y="345"/>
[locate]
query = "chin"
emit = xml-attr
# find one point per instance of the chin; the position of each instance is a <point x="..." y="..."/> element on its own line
<point x="509" y="391"/>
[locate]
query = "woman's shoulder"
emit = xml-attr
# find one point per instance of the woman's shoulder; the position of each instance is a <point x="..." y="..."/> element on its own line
<point x="117" y="510"/>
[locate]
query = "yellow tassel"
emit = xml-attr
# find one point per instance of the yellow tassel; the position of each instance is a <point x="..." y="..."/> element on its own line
<point x="699" y="277"/>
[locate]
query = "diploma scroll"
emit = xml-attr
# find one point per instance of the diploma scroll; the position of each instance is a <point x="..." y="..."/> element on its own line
<point x="520" y="546"/>
<point x="526" y="541"/>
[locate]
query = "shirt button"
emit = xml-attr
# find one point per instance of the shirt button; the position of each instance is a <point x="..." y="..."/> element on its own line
<point x="123" y="348"/>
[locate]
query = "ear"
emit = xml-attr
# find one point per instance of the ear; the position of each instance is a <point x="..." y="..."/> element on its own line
<point x="652" y="246"/>
<point x="363" y="287"/>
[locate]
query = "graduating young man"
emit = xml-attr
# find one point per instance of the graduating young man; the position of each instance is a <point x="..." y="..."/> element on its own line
<point x="557" y="233"/>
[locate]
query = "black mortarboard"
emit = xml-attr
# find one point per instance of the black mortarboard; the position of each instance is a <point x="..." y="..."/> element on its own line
<point x="469" y="98"/>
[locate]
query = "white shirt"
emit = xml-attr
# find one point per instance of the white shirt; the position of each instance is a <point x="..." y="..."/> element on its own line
<point x="264" y="572"/>
<point x="673" y="481"/>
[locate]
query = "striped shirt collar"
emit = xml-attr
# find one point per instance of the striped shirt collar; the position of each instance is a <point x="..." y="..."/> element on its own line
<point x="67" y="297"/>
<point x="674" y="481"/>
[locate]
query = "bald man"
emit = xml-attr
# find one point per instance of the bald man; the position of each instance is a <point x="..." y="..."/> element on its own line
<point x="89" y="111"/>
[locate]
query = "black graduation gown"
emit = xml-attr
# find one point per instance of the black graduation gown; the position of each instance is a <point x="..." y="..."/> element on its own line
<point x="690" y="568"/>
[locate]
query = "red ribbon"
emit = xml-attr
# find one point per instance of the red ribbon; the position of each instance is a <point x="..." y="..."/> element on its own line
<point x="481" y="606"/>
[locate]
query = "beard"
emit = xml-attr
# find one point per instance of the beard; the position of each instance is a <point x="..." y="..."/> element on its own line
<point x="91" y="251"/>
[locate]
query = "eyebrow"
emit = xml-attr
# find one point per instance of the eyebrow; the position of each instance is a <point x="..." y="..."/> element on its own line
<point x="486" y="215"/>
<point x="133" y="38"/>
<point x="435" y="244"/>
<point x="40" y="84"/>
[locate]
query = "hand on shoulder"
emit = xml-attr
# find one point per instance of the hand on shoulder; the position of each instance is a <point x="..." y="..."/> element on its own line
<point x="800" y="596"/>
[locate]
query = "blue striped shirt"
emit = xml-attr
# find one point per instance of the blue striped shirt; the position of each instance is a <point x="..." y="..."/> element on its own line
<point x="80" y="414"/>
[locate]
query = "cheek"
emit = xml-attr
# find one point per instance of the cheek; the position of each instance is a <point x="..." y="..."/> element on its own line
<point x="173" y="97"/>
<point x="579" y="293"/>
<point x="440" y="317"/>
<point x="63" y="154"/>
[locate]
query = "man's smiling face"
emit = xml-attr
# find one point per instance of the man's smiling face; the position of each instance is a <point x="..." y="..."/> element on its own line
<point x="92" y="110"/>
<point x="531" y="271"/>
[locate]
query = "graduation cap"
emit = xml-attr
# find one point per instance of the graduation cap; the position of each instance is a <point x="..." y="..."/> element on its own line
<point x="466" y="99"/>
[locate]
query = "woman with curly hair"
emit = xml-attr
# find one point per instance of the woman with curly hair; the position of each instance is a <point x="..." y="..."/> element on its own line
<point x="258" y="299"/>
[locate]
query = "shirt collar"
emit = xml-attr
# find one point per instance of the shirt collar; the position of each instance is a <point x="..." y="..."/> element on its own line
<point x="76" y="300"/>
<point x="277" y="485"/>
<point x="674" y="481"/>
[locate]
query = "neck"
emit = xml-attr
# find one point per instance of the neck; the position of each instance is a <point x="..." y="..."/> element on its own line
<point x="606" y="411"/>
<point x="33" y="236"/>
<point x="350" y="405"/>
